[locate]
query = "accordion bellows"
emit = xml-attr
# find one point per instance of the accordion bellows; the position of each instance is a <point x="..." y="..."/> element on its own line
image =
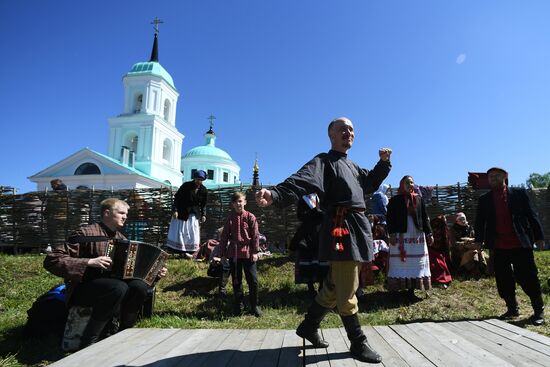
<point x="136" y="260"/>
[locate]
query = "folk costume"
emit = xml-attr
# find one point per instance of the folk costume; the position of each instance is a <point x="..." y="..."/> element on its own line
<point x="89" y="287"/>
<point x="507" y="224"/>
<point x="439" y="252"/>
<point x="465" y="257"/>
<point x="189" y="203"/>
<point x="345" y="238"/>
<point x="409" y="265"/>
<point x="240" y="240"/>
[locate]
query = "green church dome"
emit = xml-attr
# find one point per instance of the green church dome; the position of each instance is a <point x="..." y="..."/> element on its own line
<point x="207" y="151"/>
<point x="151" y="68"/>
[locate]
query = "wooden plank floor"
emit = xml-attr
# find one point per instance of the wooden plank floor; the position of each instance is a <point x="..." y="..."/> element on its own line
<point x="462" y="343"/>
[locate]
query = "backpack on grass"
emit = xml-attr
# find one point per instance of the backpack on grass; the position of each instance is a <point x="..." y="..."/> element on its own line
<point x="48" y="314"/>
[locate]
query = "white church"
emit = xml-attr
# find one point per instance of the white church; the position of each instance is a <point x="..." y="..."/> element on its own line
<point x="145" y="147"/>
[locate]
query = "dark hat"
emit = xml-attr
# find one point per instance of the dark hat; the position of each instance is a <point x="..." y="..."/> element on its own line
<point x="497" y="169"/>
<point x="200" y="174"/>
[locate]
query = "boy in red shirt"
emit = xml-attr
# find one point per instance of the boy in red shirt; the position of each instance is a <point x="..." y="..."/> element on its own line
<point x="240" y="243"/>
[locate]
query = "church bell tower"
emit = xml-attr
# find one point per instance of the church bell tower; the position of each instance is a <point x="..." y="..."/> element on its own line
<point x="144" y="136"/>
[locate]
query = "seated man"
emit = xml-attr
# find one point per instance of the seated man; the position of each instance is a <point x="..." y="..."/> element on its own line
<point x="81" y="262"/>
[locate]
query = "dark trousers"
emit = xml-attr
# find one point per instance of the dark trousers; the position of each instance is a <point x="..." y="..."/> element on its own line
<point x="109" y="296"/>
<point x="226" y="272"/>
<point x="237" y="267"/>
<point x="517" y="265"/>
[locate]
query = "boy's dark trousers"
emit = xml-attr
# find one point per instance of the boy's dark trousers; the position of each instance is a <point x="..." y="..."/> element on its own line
<point x="237" y="267"/>
<point x="226" y="271"/>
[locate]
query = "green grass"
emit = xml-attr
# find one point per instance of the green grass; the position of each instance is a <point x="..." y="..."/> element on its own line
<point x="187" y="298"/>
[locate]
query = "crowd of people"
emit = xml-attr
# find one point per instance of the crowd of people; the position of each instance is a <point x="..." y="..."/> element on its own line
<point x="339" y="245"/>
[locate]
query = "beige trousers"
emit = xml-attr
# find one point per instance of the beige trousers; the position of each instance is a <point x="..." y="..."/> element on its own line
<point x="340" y="286"/>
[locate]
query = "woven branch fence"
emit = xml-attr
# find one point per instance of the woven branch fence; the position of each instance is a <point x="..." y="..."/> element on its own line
<point x="35" y="219"/>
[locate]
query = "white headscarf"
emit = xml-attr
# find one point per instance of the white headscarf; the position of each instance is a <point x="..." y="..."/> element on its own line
<point x="382" y="191"/>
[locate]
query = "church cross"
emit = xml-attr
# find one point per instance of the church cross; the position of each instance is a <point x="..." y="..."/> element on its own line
<point x="211" y="118"/>
<point x="156" y="23"/>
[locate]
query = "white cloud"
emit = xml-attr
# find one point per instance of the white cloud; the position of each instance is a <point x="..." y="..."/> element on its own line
<point x="460" y="59"/>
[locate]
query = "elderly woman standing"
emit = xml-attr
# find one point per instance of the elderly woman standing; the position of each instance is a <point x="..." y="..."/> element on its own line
<point x="188" y="211"/>
<point x="410" y="232"/>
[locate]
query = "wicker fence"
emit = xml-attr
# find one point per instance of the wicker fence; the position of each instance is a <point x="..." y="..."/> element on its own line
<point x="36" y="219"/>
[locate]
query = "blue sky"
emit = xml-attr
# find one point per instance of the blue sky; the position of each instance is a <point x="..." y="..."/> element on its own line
<point x="450" y="86"/>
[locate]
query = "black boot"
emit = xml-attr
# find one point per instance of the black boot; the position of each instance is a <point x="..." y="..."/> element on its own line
<point x="254" y="309"/>
<point x="223" y="280"/>
<point x="538" y="307"/>
<point x="92" y="332"/>
<point x="238" y="305"/>
<point x="128" y="320"/>
<point x="512" y="309"/>
<point x="360" y="349"/>
<point x="308" y="329"/>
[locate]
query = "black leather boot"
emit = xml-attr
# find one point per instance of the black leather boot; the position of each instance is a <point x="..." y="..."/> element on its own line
<point x="92" y="332"/>
<point x="538" y="317"/>
<point x="360" y="349"/>
<point x="538" y="307"/>
<point x="128" y="320"/>
<point x="254" y="309"/>
<point x="308" y="329"/>
<point x="512" y="309"/>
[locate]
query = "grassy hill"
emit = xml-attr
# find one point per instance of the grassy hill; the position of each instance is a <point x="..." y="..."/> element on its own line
<point x="187" y="298"/>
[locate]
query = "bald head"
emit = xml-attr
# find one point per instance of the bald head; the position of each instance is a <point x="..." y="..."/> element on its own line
<point x="343" y="119"/>
<point x="341" y="134"/>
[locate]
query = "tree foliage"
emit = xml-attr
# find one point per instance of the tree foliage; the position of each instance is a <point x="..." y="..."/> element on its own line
<point x="536" y="180"/>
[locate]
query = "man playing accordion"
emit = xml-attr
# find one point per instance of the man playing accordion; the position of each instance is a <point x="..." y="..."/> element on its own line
<point x="85" y="268"/>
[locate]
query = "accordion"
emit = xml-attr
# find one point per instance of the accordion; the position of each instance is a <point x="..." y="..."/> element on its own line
<point x="135" y="260"/>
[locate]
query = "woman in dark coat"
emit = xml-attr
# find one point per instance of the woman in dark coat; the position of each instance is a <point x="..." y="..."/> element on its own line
<point x="188" y="212"/>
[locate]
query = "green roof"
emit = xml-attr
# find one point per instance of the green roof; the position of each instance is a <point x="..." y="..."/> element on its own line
<point x="209" y="151"/>
<point x="151" y="68"/>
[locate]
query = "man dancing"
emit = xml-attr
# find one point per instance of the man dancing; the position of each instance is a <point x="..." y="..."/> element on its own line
<point x="345" y="236"/>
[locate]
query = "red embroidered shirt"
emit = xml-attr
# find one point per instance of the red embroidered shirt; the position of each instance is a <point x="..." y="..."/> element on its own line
<point x="240" y="236"/>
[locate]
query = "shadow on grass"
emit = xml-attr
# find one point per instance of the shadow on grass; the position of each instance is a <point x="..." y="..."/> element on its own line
<point x="199" y="286"/>
<point x="30" y="351"/>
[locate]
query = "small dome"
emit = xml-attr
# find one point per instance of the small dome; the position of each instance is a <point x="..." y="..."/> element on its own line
<point x="151" y="68"/>
<point x="208" y="151"/>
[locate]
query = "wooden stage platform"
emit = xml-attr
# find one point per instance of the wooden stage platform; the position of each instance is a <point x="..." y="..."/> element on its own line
<point x="463" y="343"/>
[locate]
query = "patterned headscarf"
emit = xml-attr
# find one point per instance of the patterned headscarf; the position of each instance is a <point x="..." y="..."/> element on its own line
<point x="410" y="198"/>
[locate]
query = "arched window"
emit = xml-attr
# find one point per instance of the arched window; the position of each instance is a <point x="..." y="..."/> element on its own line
<point x="87" y="169"/>
<point x="166" y="110"/>
<point x="137" y="103"/>
<point x="132" y="142"/>
<point x="167" y="150"/>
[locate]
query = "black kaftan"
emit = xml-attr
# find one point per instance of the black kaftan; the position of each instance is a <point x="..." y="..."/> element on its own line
<point x="338" y="182"/>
